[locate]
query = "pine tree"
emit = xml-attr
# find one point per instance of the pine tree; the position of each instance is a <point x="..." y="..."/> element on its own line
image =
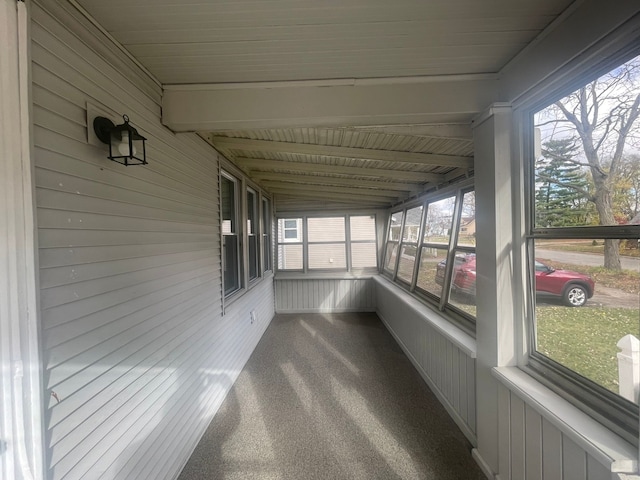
<point x="562" y="188"/>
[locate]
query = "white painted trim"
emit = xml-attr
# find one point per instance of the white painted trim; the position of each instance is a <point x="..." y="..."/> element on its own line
<point x="595" y="439"/>
<point x="21" y="426"/>
<point x="432" y="386"/>
<point x="465" y="342"/>
<point x="484" y="466"/>
<point x="332" y="82"/>
<point x="326" y="310"/>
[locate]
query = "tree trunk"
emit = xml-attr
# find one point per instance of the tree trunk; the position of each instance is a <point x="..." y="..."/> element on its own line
<point x="605" y="212"/>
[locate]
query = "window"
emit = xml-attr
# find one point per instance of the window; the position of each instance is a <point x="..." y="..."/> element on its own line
<point x="321" y="243"/>
<point x="364" y="253"/>
<point x="252" y="233"/>
<point x="430" y="250"/>
<point x="290" y="244"/>
<point x="266" y="235"/>
<point x="231" y="255"/>
<point x="583" y="233"/>
<point x="327" y="243"/>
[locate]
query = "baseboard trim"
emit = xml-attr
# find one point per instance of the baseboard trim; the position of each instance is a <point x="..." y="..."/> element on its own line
<point x="484" y="466"/>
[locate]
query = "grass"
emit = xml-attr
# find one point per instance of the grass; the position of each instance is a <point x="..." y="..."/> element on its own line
<point x="584" y="339"/>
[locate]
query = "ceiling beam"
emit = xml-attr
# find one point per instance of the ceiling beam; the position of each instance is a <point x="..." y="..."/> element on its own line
<point x="259" y="164"/>
<point x="337" y="181"/>
<point x="341" y="152"/>
<point x="373" y="202"/>
<point x="330" y="191"/>
<point x="345" y="103"/>
<point x="314" y="202"/>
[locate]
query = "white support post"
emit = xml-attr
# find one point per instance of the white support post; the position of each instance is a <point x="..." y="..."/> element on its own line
<point x="629" y="368"/>
<point x="21" y="426"/>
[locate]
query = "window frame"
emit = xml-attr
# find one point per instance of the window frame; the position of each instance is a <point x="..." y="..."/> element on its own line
<point x="441" y="302"/>
<point x="237" y="214"/>
<point x="253" y="231"/>
<point x="242" y="187"/>
<point x="266" y="228"/>
<point x="613" y="411"/>
<point x="304" y="233"/>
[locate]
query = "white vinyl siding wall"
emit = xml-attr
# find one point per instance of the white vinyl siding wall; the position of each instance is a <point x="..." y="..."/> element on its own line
<point x="137" y="354"/>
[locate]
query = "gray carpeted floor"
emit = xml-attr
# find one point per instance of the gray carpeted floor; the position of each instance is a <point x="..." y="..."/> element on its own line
<point x="331" y="397"/>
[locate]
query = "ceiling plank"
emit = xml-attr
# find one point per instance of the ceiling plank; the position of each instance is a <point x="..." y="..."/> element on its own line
<point x="337" y="181"/>
<point x="341" y="152"/>
<point x="259" y="164"/>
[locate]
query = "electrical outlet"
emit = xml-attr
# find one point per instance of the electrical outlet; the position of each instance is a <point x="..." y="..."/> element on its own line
<point x="252" y="316"/>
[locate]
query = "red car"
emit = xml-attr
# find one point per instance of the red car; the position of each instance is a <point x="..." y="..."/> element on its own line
<point x="572" y="287"/>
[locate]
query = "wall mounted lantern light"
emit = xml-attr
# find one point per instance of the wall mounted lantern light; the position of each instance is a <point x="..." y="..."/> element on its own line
<point x="126" y="145"/>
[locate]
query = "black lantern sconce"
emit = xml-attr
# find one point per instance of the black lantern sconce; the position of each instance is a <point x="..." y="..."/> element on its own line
<point x="126" y="145"/>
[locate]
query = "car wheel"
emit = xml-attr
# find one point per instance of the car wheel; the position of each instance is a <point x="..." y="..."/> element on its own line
<point x="575" y="296"/>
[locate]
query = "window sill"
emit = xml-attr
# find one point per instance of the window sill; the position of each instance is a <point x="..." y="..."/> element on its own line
<point x="341" y="275"/>
<point x="597" y="440"/>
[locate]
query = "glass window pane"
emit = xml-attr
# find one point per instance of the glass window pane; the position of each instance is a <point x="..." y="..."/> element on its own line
<point x="363" y="255"/>
<point x="327" y="256"/>
<point x="290" y="257"/>
<point x="363" y="228"/>
<point x="326" y="229"/>
<point x="462" y="293"/>
<point x="228" y="198"/>
<point x="253" y="257"/>
<point x="583" y="310"/>
<point x="390" y="256"/>
<point x="252" y="212"/>
<point x="412" y="225"/>
<point x="290" y="230"/>
<point x="231" y="266"/>
<point x="395" y="226"/>
<point x="437" y="228"/>
<point x="406" y="263"/>
<point x="467" y="228"/>
<point x="431" y="271"/>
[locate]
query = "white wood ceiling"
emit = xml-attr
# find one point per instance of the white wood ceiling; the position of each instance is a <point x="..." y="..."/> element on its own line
<point x="246" y="41"/>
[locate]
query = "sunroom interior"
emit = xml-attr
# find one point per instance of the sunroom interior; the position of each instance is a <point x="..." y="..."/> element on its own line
<point x="402" y="160"/>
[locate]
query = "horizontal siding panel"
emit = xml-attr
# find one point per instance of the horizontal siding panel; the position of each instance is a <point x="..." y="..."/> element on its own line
<point x="103" y="178"/>
<point x="151" y="197"/>
<point x="50" y="52"/>
<point x="51" y="258"/>
<point x="135" y="344"/>
<point x="74" y="273"/>
<point x="89" y="238"/>
<point x="54" y="219"/>
<point x="75" y="292"/>
<point x="72" y="339"/>
<point x="165" y="172"/>
<point x="68" y="312"/>
<point x="72" y="357"/>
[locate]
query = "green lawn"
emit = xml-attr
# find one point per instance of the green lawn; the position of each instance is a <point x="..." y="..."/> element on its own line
<point x="584" y="339"/>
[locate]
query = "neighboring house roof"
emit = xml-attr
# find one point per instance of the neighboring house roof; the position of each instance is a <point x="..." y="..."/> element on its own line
<point x="635" y="220"/>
